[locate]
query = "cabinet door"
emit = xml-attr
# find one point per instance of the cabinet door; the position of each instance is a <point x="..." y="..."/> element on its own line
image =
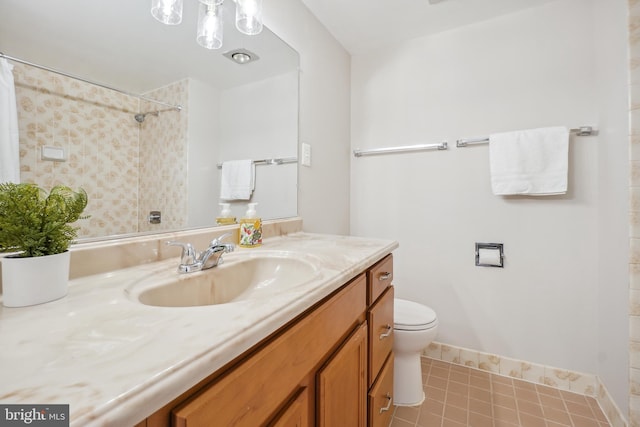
<point x="295" y="414"/>
<point x="342" y="384"/>
<point x="380" y="319"/>
<point x="379" y="277"/>
<point x="381" y="397"/>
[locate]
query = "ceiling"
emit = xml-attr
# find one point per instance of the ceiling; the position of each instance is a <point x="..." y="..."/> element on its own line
<point x="119" y="43"/>
<point x="363" y="25"/>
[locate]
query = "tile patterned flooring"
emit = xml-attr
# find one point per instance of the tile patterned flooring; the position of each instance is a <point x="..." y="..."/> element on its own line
<point x="459" y="396"/>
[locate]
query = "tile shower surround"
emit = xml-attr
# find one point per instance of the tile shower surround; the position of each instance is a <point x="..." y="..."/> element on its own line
<point x="105" y="147"/>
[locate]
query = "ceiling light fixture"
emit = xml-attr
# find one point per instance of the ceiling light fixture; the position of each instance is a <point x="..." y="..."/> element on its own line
<point x="210" y="18"/>
<point x="241" y="56"/>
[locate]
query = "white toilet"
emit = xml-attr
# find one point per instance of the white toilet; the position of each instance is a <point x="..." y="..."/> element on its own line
<point x="415" y="326"/>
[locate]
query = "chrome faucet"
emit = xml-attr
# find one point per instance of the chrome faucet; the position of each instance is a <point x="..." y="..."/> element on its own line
<point x="191" y="261"/>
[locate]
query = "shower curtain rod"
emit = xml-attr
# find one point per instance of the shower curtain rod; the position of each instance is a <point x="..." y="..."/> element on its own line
<point x="62" y="73"/>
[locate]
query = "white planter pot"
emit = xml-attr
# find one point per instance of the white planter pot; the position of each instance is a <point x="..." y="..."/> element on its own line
<point x="35" y="280"/>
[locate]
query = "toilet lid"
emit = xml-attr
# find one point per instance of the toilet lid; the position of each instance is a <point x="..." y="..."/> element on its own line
<point x="409" y="315"/>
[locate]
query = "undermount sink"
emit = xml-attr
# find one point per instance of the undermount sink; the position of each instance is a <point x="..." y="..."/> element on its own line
<point x="239" y="278"/>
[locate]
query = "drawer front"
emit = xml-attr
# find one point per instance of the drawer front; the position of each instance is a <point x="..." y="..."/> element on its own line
<point x="380" y="318"/>
<point x="381" y="397"/>
<point x="379" y="278"/>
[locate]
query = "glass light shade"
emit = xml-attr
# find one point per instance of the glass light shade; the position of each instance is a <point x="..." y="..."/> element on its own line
<point x="249" y="16"/>
<point x="209" y="26"/>
<point x="167" y="11"/>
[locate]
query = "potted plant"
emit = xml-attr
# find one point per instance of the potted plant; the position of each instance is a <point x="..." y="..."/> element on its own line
<point x="36" y="225"/>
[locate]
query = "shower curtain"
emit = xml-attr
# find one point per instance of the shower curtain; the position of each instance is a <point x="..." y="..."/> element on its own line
<point x="9" y="148"/>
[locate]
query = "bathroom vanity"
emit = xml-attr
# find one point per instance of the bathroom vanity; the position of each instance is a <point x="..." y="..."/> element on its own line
<point x="324" y="368"/>
<point x="316" y="353"/>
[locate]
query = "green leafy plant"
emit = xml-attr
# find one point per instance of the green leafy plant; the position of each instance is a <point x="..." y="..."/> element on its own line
<point x="36" y="223"/>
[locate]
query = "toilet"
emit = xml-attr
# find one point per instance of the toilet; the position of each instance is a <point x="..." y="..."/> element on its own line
<point x="415" y="326"/>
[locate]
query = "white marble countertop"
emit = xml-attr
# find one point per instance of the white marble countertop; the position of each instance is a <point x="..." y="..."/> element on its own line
<point x="116" y="361"/>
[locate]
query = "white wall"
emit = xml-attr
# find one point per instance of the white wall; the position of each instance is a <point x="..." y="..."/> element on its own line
<point x="253" y="121"/>
<point x="260" y="121"/>
<point x="610" y="17"/>
<point x="323" y="188"/>
<point x="530" y="69"/>
<point x="203" y="134"/>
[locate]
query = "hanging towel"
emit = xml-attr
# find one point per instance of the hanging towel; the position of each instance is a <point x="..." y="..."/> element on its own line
<point x="9" y="145"/>
<point x="532" y="162"/>
<point x="238" y="180"/>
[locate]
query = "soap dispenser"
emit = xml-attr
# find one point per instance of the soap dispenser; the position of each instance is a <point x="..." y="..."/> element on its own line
<point x="225" y="217"/>
<point x="250" y="228"/>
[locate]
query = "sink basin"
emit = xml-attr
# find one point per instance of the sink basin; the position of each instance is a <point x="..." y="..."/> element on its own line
<point x="239" y="278"/>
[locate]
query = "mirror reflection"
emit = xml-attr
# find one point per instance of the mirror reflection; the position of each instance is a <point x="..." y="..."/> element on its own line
<point x="141" y="161"/>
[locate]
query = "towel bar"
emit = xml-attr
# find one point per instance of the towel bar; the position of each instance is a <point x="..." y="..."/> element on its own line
<point x="581" y="131"/>
<point x="280" y="161"/>
<point x="402" y="149"/>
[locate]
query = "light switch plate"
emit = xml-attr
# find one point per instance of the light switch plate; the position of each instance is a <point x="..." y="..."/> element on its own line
<point x="306" y="154"/>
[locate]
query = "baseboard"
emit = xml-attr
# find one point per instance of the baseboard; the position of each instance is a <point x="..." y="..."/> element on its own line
<point x="578" y="382"/>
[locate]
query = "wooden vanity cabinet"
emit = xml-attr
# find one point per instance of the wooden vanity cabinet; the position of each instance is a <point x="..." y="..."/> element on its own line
<point x="312" y="372"/>
<point x="254" y="392"/>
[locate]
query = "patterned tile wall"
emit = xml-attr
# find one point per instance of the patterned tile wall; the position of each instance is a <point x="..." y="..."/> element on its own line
<point x="96" y="129"/>
<point x="634" y="215"/>
<point x="163" y="159"/>
<point x="108" y="153"/>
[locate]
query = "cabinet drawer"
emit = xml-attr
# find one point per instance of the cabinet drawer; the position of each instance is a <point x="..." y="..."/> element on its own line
<point x="381" y="397"/>
<point x="380" y="318"/>
<point x="379" y="277"/>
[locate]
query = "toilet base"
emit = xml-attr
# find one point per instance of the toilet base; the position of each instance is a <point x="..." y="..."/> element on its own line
<point x="407" y="380"/>
<point x="424" y="397"/>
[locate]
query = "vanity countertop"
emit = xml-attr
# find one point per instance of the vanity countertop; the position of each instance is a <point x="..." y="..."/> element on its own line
<point x="116" y="361"/>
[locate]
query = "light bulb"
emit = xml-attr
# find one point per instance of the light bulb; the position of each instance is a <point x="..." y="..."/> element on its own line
<point x="167" y="11"/>
<point x="209" y="26"/>
<point x="249" y="16"/>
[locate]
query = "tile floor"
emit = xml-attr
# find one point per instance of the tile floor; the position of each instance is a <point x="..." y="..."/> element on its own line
<point x="460" y="396"/>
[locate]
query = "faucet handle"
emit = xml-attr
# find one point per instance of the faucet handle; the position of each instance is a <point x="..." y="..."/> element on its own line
<point x="189" y="255"/>
<point x="218" y="240"/>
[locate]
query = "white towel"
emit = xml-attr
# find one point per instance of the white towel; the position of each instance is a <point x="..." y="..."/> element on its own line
<point x="9" y="144"/>
<point x="237" y="181"/>
<point x="532" y="162"/>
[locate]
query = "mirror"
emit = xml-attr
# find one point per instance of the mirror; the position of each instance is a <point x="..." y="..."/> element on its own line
<point x="167" y="161"/>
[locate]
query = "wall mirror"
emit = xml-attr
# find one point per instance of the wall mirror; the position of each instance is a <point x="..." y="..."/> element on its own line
<point x="132" y="156"/>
